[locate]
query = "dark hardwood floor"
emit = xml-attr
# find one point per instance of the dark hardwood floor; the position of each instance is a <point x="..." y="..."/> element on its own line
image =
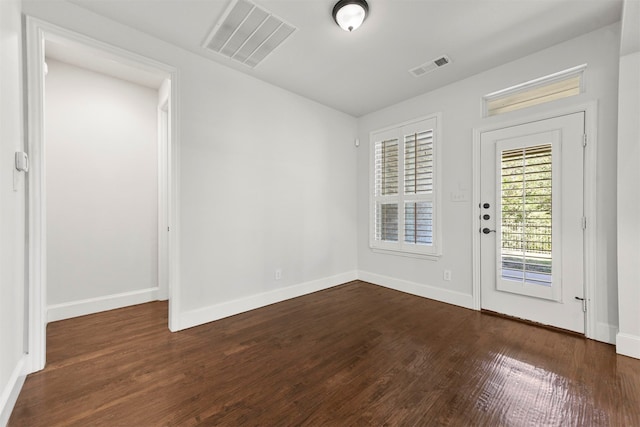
<point x="357" y="354"/>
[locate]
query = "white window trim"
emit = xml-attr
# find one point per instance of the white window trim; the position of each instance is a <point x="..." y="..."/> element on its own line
<point x="432" y="252"/>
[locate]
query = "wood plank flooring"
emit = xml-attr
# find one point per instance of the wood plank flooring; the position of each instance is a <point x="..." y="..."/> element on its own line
<point x="353" y="355"/>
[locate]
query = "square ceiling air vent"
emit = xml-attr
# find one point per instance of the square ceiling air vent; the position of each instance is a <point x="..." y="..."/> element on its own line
<point x="247" y="33"/>
<point x="430" y="66"/>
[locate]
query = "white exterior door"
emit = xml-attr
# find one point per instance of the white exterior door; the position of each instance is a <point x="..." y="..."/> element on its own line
<point x="532" y="224"/>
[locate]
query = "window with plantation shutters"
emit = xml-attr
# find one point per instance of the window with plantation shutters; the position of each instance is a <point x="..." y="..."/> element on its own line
<point x="404" y="206"/>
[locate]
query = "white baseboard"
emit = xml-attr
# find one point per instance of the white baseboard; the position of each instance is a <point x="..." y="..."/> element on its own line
<point x="204" y="315"/>
<point x="628" y="345"/>
<point x="439" y="294"/>
<point x="11" y="391"/>
<point x="606" y="333"/>
<point x="68" y="310"/>
<point x="163" y="294"/>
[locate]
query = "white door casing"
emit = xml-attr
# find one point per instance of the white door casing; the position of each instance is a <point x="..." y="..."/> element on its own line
<point x="543" y="296"/>
<point x="37" y="32"/>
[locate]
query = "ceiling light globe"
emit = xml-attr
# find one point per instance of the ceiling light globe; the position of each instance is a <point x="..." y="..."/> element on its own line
<point x="350" y="14"/>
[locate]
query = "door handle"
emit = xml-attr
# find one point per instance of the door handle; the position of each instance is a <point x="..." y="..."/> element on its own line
<point x="487" y="231"/>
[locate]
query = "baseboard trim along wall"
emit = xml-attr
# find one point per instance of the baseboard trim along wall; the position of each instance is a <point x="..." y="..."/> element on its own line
<point x="425" y="291"/>
<point x="11" y="391"/>
<point x="204" y="315"/>
<point x="606" y="333"/>
<point x="628" y="345"/>
<point x="71" y="309"/>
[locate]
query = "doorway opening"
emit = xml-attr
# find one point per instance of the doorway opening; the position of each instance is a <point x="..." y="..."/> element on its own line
<point x="102" y="204"/>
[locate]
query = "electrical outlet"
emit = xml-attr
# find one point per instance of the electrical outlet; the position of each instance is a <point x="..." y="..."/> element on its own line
<point x="278" y="274"/>
<point x="447" y="275"/>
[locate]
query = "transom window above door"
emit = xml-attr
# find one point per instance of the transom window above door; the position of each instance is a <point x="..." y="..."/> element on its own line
<point x="549" y="88"/>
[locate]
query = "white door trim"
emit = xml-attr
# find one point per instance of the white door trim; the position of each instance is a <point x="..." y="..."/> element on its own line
<point x="37" y="31"/>
<point x="590" y="110"/>
<point x="163" y="220"/>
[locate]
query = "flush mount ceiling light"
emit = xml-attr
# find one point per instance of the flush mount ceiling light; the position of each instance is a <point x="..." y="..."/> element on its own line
<point x="350" y="14"/>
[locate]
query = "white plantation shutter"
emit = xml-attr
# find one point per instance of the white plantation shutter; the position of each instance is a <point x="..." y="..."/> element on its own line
<point x="387" y="167"/>
<point x="405" y="187"/>
<point x="386" y="178"/>
<point x="418" y="223"/>
<point x="418" y="163"/>
<point x="387" y="222"/>
<point x="418" y="180"/>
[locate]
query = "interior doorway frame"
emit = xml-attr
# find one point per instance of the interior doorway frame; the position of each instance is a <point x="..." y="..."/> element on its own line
<point x="590" y="110"/>
<point x="37" y="31"/>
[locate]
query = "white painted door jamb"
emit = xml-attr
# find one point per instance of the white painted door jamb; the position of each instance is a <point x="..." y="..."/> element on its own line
<point x="37" y="31"/>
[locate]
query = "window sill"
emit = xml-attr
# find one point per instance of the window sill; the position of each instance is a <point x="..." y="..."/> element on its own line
<point x="430" y="257"/>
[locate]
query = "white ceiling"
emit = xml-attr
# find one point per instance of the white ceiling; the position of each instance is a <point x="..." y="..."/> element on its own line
<point x="366" y="70"/>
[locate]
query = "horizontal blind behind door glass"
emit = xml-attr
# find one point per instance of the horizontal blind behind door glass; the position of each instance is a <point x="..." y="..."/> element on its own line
<point x="386" y="167"/>
<point x="526" y="191"/>
<point x="418" y="162"/>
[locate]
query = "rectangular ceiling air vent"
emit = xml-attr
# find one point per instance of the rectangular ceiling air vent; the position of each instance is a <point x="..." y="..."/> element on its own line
<point x="430" y="66"/>
<point x="247" y="33"/>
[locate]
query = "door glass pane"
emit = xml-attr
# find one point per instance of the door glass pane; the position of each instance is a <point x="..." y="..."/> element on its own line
<point x="526" y="215"/>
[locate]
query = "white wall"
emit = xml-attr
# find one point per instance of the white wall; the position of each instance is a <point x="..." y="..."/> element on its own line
<point x="12" y="212"/>
<point x="267" y="179"/>
<point x="460" y="104"/>
<point x="267" y="182"/>
<point x="628" y="339"/>
<point x="102" y="187"/>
